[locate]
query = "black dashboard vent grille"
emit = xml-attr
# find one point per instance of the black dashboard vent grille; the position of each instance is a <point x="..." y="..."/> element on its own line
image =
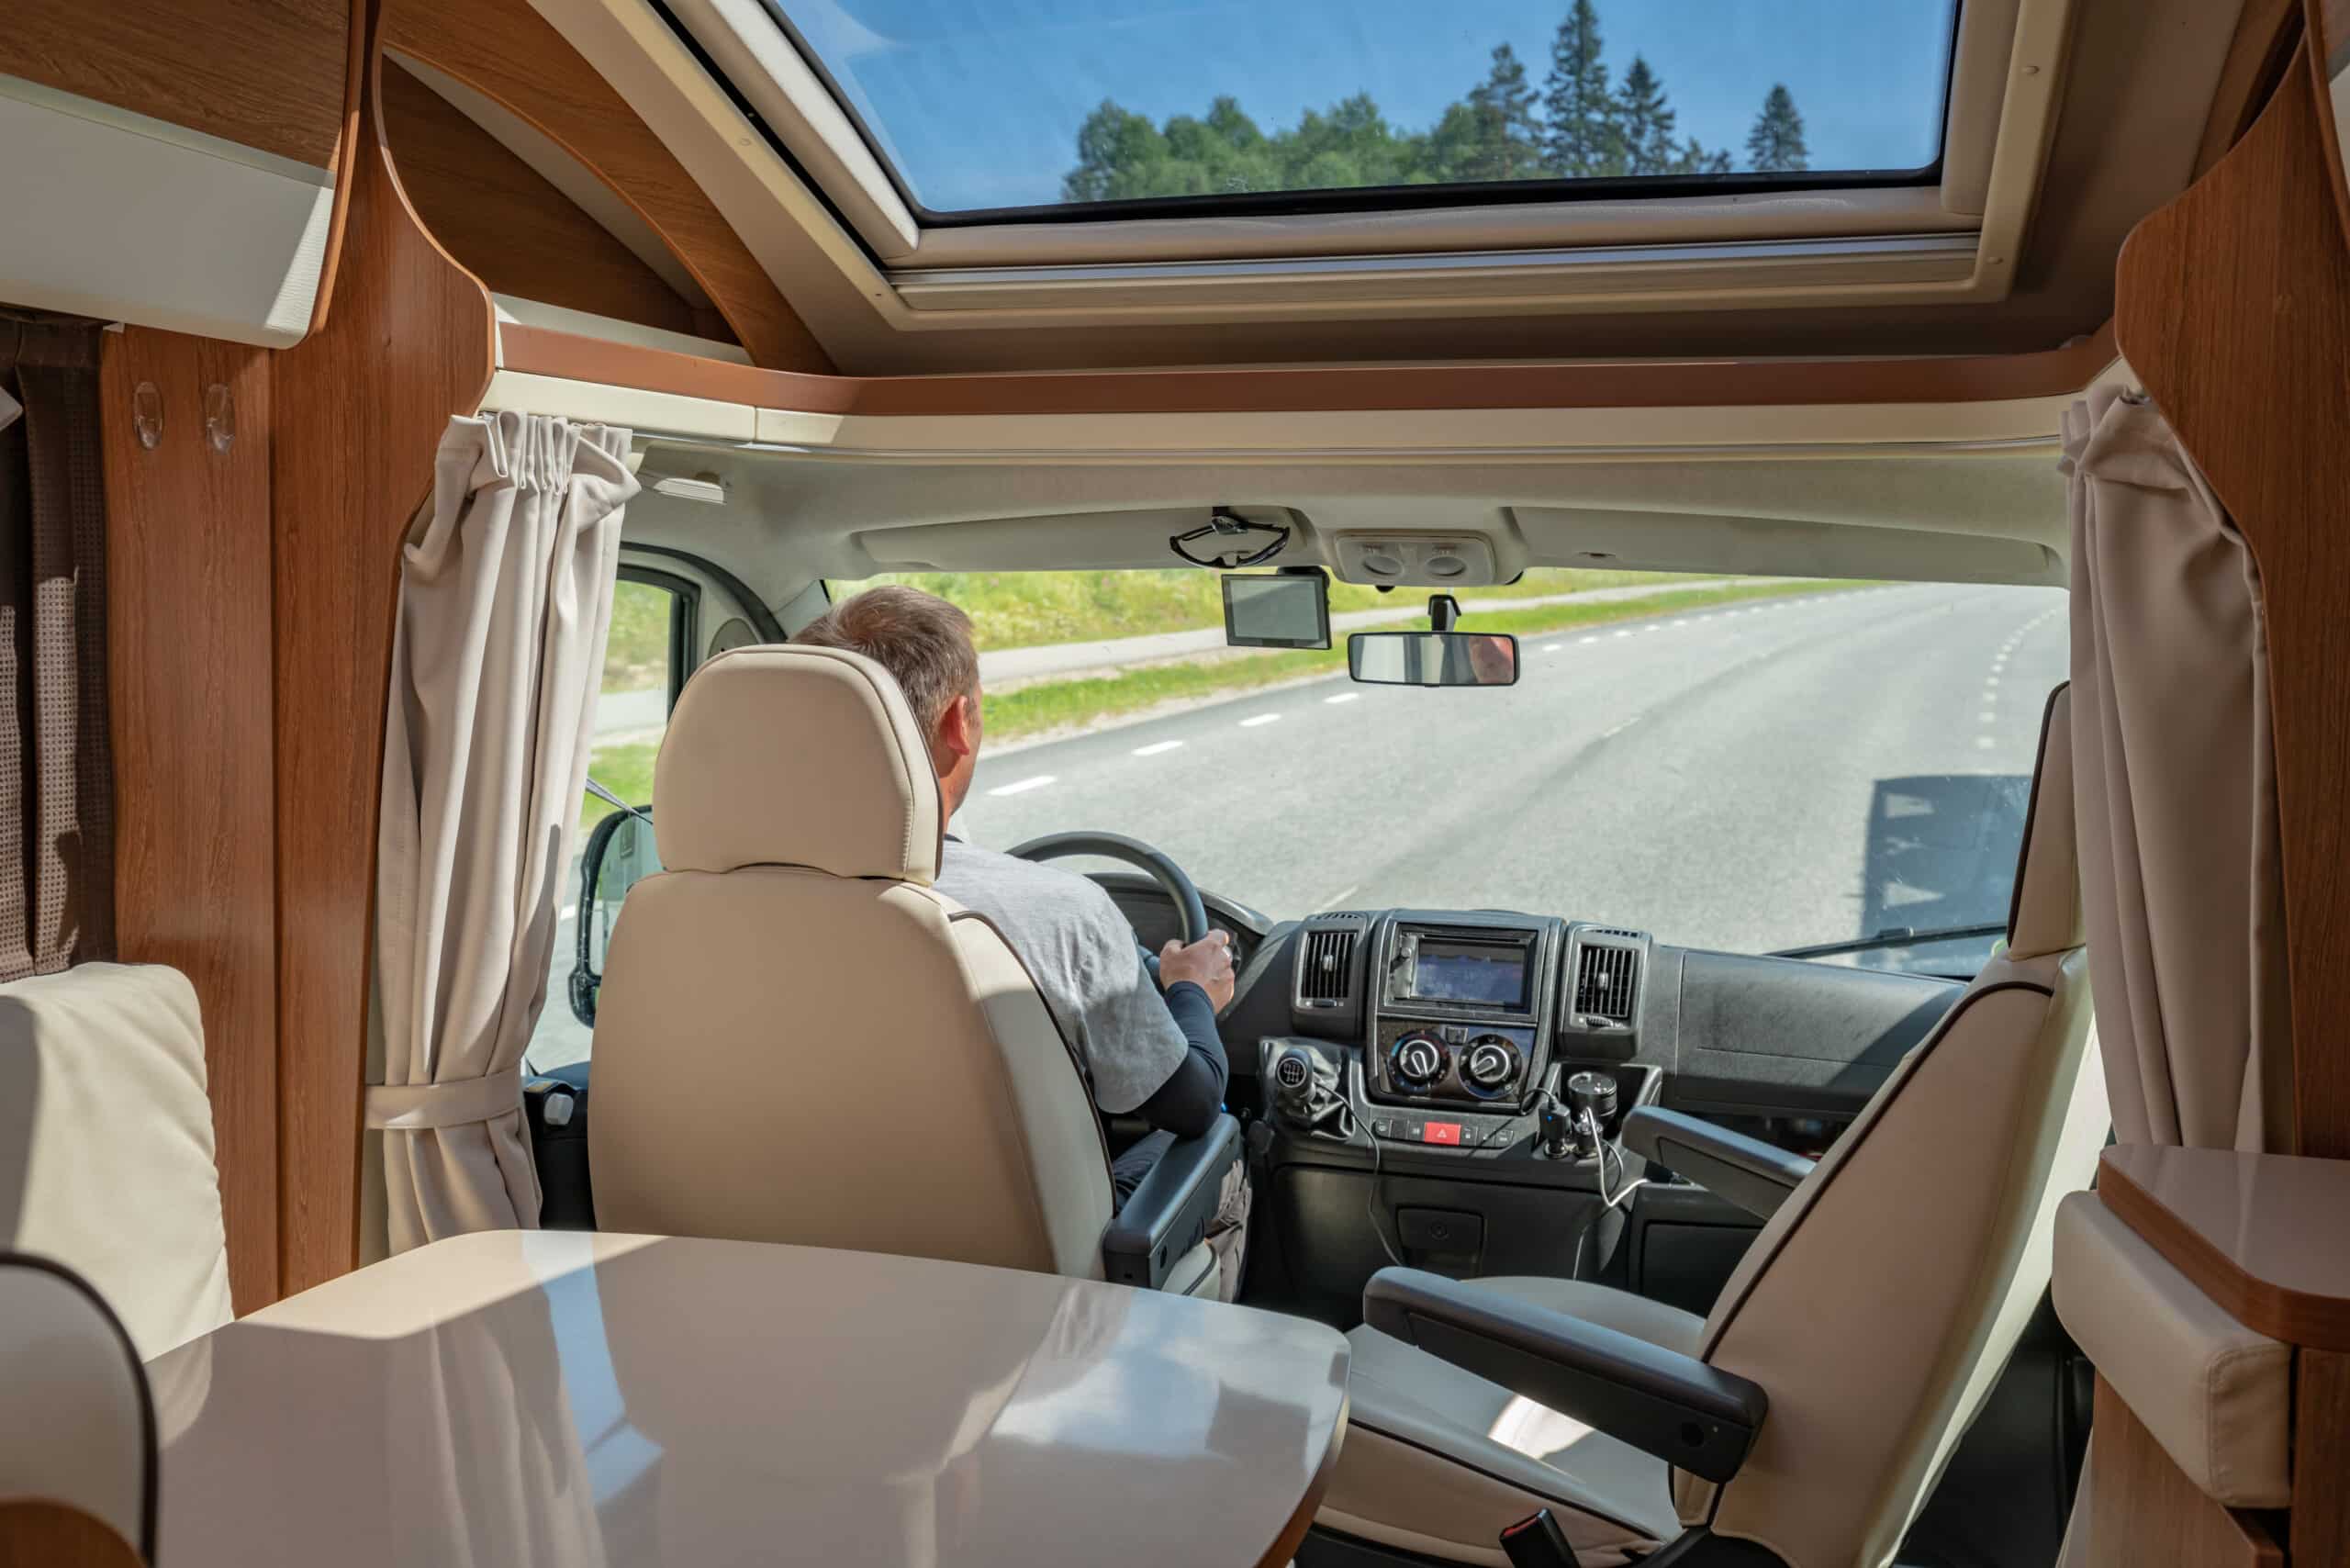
<point x="1328" y="961"/>
<point x="1606" y="981"/>
<point x="1615" y="930"/>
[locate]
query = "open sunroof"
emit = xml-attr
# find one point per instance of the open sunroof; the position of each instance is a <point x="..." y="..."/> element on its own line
<point x="989" y="110"/>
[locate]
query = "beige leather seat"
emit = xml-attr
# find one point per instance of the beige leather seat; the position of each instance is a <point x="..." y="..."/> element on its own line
<point x="1874" y="1309"/>
<point x="77" y="1429"/>
<point x="106" y="1144"/>
<point x="797" y="1038"/>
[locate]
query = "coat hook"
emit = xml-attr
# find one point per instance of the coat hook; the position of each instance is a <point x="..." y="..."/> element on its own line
<point x="147" y="414"/>
<point x="220" y="417"/>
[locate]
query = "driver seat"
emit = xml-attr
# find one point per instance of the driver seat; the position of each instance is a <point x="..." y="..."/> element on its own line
<point x="798" y="1039"/>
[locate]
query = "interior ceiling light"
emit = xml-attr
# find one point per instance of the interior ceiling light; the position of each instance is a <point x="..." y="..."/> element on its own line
<point x="708" y="488"/>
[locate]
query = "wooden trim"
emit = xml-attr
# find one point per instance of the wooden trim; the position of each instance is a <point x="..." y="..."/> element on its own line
<point x="2217" y="1268"/>
<point x="2232" y="305"/>
<point x="2143" y="1510"/>
<point x="1301" y="1519"/>
<point x="363" y="405"/>
<point x="36" y="1533"/>
<point x="506" y="224"/>
<point x="2321" y="1528"/>
<point x="1621" y="385"/>
<point x="2258" y="52"/>
<point x="267" y="74"/>
<point x="346" y="158"/>
<point x="507" y="52"/>
<point x="2328" y="25"/>
<point x="188" y="665"/>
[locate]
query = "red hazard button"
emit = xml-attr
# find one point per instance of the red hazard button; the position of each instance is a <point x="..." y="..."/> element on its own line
<point x="1444" y="1132"/>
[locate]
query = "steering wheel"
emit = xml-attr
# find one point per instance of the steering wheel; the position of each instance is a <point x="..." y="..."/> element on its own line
<point x="1136" y="854"/>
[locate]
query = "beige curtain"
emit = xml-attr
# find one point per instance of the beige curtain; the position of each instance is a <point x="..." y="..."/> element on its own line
<point x="2174" y="780"/>
<point x="506" y="597"/>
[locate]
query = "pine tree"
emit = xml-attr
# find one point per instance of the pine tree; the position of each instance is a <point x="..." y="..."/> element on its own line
<point x="1644" y="122"/>
<point x="1776" y="142"/>
<point x="1508" y="136"/>
<point x="1695" y="159"/>
<point x="1582" y="139"/>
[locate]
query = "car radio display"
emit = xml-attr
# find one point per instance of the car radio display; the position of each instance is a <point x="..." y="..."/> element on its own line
<point x="1473" y="972"/>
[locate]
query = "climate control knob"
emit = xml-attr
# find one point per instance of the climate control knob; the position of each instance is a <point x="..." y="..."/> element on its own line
<point x="1493" y="1063"/>
<point x="1417" y="1061"/>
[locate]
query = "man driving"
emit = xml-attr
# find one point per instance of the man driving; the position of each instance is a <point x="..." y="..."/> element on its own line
<point x="1151" y="1050"/>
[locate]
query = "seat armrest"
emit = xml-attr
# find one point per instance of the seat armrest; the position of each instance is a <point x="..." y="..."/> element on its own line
<point x="1739" y="1169"/>
<point x="1675" y="1407"/>
<point x="1170" y="1211"/>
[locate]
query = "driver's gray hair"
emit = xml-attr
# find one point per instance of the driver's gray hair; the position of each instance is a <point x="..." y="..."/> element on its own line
<point x="916" y="636"/>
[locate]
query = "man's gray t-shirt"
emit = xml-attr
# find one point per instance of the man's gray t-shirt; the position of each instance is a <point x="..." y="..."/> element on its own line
<point x="1082" y="955"/>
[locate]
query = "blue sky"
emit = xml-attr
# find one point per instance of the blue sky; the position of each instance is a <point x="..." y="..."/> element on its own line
<point x="977" y="102"/>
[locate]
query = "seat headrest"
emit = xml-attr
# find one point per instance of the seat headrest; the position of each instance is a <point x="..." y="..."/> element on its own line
<point x="809" y="756"/>
<point x="2044" y="912"/>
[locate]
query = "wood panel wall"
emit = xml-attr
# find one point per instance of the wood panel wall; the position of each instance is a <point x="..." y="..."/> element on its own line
<point x="2233" y="307"/>
<point x="363" y="405"/>
<point x="2143" y="1510"/>
<point x="264" y="73"/>
<point x="189" y="619"/>
<point x="509" y="53"/>
<point x="506" y="224"/>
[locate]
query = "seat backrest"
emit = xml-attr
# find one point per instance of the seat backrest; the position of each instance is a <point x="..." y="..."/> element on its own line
<point x="797" y="1038"/>
<point x="77" y="1427"/>
<point x="106" y="1144"/>
<point x="1883" y="1298"/>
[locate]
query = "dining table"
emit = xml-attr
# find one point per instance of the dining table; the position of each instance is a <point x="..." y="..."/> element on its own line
<point x="533" y="1397"/>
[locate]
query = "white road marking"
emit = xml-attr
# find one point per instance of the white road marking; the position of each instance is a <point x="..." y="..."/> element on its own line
<point x="1023" y="785"/>
<point x="1611" y="735"/>
<point x="1991" y="680"/>
<point x="1552" y="647"/>
<point x="1986" y="717"/>
<point x="1984" y="743"/>
<point x="1582" y="640"/>
<point x="1343" y="697"/>
<point x="1623" y="634"/>
<point x="1260" y="719"/>
<point x="568" y="912"/>
<point x="1155" y="747"/>
<point x="1332" y="901"/>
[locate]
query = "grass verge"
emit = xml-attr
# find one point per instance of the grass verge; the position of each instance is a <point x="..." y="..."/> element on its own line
<point x="1042" y="709"/>
<point x="1049" y="706"/>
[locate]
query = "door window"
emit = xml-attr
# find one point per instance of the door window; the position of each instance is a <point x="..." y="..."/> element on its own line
<point x="646" y="663"/>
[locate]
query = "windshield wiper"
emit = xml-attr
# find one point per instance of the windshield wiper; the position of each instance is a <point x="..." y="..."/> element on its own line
<point x="1894" y="936"/>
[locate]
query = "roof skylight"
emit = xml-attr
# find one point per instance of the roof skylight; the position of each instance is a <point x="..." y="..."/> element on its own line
<point x="1043" y="108"/>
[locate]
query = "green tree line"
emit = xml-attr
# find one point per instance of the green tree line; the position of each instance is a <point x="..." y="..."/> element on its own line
<point x="1581" y="125"/>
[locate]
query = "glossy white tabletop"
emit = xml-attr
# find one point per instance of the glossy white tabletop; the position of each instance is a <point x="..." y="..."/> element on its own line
<point x="529" y="1398"/>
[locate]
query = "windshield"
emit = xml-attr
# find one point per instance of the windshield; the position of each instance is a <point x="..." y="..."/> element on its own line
<point x="1749" y="765"/>
<point x="1062" y="103"/>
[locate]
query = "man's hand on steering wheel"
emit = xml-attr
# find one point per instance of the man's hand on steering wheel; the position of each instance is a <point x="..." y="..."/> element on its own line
<point x="1207" y="963"/>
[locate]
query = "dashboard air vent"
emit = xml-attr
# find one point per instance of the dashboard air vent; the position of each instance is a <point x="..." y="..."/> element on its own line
<point x="1606" y="978"/>
<point x="1325" y="968"/>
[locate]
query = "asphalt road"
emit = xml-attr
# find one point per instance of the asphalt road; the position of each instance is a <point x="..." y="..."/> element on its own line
<point x="1764" y="776"/>
<point x="1772" y="775"/>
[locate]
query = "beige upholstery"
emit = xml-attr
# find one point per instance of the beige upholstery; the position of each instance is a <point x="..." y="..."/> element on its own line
<point x="106" y="1144"/>
<point x="797" y="756"/>
<point x="78" y="1429"/>
<point x="797" y="1039"/>
<point x="1875" y="1308"/>
<point x="2217" y="1395"/>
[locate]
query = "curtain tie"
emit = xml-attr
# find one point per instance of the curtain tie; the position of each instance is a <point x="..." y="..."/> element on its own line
<point x="415" y="1107"/>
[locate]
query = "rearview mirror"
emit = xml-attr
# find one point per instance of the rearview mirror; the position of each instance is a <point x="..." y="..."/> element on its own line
<point x="619" y="854"/>
<point x="1432" y="658"/>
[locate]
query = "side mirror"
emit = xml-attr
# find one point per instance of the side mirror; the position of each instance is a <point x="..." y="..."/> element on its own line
<point x="619" y="854"/>
<point x="1432" y="658"/>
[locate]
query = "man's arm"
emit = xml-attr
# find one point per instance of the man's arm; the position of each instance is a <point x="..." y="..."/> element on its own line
<point x="1199" y="979"/>
<point x="1188" y="1103"/>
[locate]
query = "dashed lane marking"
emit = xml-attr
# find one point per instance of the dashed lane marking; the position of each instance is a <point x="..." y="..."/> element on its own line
<point x="1260" y="719"/>
<point x="1155" y="747"/>
<point x="1343" y="697"/>
<point x="1023" y="785"/>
